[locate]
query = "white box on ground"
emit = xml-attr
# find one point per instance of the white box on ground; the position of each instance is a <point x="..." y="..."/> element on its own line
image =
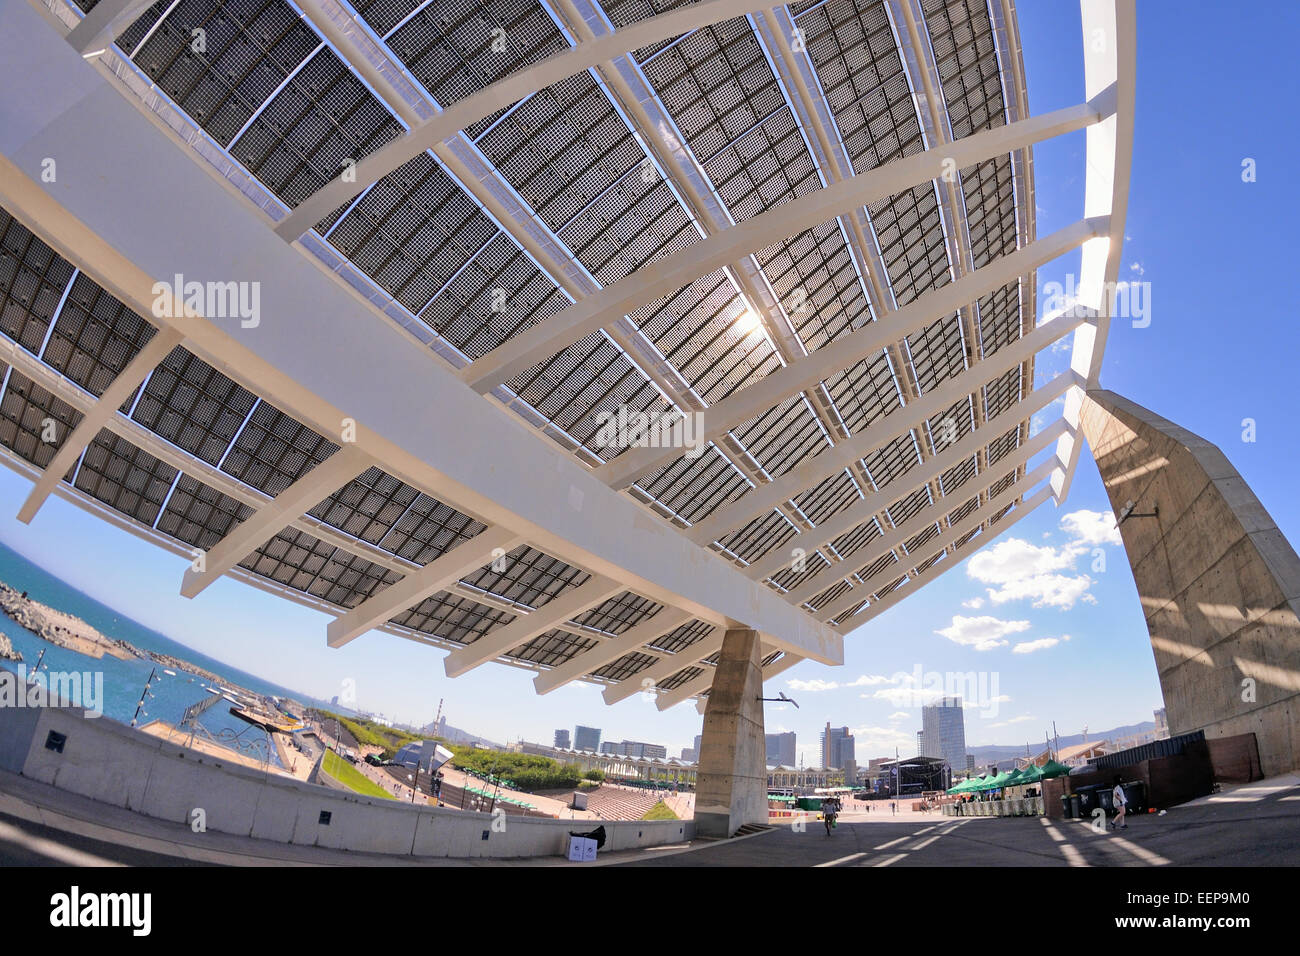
<point x="581" y="849"/>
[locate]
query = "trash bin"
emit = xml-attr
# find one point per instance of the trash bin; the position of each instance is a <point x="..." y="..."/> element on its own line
<point x="1136" y="795"/>
<point x="1067" y="808"/>
<point x="1076" y="806"/>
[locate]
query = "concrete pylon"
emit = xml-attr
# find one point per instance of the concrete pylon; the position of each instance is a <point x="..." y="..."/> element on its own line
<point x="731" y="783"/>
<point x="1219" y="584"/>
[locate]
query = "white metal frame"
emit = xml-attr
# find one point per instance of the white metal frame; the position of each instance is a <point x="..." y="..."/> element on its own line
<point x="123" y="239"/>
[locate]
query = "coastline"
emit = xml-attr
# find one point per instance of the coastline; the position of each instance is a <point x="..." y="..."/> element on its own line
<point x="72" y="633"/>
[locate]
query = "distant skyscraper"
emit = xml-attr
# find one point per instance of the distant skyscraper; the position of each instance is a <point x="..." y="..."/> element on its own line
<point x="944" y="727"/>
<point x="689" y="755"/>
<point x="970" y="763"/>
<point x="586" y="738"/>
<point x="920" y="744"/>
<point x="562" y="739"/>
<point x="780" y="750"/>
<point x="837" y="746"/>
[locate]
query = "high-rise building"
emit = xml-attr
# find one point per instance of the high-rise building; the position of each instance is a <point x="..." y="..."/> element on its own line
<point x="690" y="755"/>
<point x="920" y="743"/>
<point x="970" y="763"/>
<point x="698" y="739"/>
<point x="586" y="738"/>
<point x="838" y="745"/>
<point x="780" y="750"/>
<point x="944" y="731"/>
<point x="562" y="740"/>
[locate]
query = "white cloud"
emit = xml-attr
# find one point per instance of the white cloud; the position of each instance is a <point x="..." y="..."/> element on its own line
<point x="1028" y="647"/>
<point x="982" y="633"/>
<point x="816" y="685"/>
<point x="898" y="714"/>
<point x="974" y="603"/>
<point x="1092" y="527"/>
<point x="876" y="740"/>
<point x="1137" y="267"/>
<point x="1018" y="570"/>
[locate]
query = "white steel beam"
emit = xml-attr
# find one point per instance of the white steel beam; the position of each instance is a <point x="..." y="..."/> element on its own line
<point x="810" y="472"/>
<point x="749" y="403"/>
<point x="427" y="133"/>
<point x="527" y="626"/>
<point x="118" y="391"/>
<point x="679" y="269"/>
<point x="1110" y="68"/>
<point x="927" y="518"/>
<point x="338" y="23"/>
<point x="104" y="21"/>
<point x="438" y="575"/>
<point x="861" y="511"/>
<point x="112" y="222"/>
<point x="921" y="580"/>
<point x="667" y="666"/>
<point x="701" y="683"/>
<point x="609" y="651"/>
<point x="273" y="517"/>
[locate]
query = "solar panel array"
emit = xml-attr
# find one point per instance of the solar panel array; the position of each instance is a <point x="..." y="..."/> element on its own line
<point x="268" y="89"/>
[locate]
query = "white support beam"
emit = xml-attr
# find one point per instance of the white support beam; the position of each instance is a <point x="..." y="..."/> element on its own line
<point x="633" y="639"/>
<point x="273" y="517"/>
<point x="920" y="581"/>
<point x="105" y="20"/>
<point x="701" y="683"/>
<point x="1110" y="68"/>
<point x="751" y="402"/>
<point x="940" y="509"/>
<point x="127" y="381"/>
<point x="339" y="25"/>
<point x="667" y="666"/>
<point x="437" y="575"/>
<point x="106" y="218"/>
<point x="861" y="511"/>
<point x="666" y="275"/>
<point x="935" y="548"/>
<point x="897" y="538"/>
<point x="426" y="134"/>
<point x="527" y="626"/>
<point x="809" y="473"/>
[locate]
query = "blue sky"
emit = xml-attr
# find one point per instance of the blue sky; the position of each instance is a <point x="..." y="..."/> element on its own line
<point x="1220" y="347"/>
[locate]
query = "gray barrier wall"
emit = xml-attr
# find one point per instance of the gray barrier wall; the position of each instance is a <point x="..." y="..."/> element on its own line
<point x="113" y="763"/>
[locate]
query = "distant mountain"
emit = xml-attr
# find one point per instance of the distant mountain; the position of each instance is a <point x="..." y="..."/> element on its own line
<point x="1000" y="753"/>
<point x="457" y="736"/>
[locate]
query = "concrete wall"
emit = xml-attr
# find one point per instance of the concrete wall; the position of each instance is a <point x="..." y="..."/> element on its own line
<point x="1219" y="584"/>
<point x="110" y="762"/>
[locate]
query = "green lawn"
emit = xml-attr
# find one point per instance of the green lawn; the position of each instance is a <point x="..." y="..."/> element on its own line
<point x="351" y="777"/>
<point x="659" y="811"/>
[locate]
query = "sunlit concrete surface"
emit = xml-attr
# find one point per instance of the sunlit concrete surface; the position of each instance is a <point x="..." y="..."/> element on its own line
<point x="1258" y="825"/>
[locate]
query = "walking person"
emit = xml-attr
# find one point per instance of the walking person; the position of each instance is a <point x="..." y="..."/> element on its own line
<point x="1121" y="805"/>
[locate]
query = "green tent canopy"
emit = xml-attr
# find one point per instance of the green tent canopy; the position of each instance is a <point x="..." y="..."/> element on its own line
<point x="1031" y="774"/>
<point x="1054" y="769"/>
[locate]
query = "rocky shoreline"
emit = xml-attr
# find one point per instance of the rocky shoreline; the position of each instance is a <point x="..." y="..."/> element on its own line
<point x="74" y="634"/>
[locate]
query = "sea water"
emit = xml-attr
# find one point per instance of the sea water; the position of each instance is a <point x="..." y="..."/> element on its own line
<point x="124" y="680"/>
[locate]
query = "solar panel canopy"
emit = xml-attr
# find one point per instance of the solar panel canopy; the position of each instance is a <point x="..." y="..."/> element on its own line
<point x="717" y="256"/>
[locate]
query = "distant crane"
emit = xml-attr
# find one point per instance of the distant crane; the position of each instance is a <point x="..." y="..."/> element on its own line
<point x="437" y="721"/>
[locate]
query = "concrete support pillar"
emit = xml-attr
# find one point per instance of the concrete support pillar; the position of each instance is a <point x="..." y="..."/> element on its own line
<point x="731" y="783"/>
<point x="1219" y="584"/>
